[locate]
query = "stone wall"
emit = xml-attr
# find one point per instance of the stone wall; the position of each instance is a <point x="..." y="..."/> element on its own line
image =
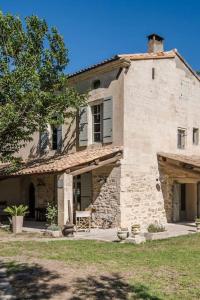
<point x="141" y="198"/>
<point x="167" y="191"/>
<point x="106" y="195"/>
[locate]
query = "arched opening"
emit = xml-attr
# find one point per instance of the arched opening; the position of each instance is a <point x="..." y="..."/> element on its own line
<point x="31" y="203"/>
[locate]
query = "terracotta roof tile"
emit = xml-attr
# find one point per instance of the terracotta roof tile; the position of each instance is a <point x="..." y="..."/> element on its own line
<point x="61" y="163"/>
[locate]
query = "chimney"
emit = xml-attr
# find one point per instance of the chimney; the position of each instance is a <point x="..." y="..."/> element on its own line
<point x="155" y="43"/>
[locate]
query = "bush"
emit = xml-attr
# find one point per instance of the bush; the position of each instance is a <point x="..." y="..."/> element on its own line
<point x="52" y="214"/>
<point x="53" y="227"/>
<point x="156" y="228"/>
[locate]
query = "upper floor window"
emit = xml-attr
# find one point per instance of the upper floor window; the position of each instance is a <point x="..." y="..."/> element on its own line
<point x="181" y="138"/>
<point x="56" y="137"/>
<point x="195" y="136"/>
<point x="96" y="84"/>
<point x="44" y="140"/>
<point x="97" y="123"/>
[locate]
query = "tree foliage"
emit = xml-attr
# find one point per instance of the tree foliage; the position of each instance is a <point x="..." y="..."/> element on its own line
<point x="33" y="86"/>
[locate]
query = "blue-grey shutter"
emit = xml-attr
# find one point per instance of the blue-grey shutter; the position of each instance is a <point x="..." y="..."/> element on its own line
<point x="107" y="120"/>
<point x="83" y="126"/>
<point x="44" y="139"/>
<point x="86" y="190"/>
<point x="59" y="137"/>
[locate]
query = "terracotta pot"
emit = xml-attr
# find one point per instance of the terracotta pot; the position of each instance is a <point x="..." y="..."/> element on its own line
<point x="17" y="224"/>
<point x="135" y="229"/>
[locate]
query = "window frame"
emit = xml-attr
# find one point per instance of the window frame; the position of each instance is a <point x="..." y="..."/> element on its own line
<point x="195" y="136"/>
<point x="181" y="145"/>
<point x="95" y="104"/>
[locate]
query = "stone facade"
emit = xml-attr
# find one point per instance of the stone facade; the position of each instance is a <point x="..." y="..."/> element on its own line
<point x="106" y="196"/>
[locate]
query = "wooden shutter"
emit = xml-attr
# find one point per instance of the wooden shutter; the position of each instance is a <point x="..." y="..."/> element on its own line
<point x="44" y="139"/>
<point x="59" y="137"/>
<point x="83" y="126"/>
<point x="86" y="190"/>
<point x="107" y="120"/>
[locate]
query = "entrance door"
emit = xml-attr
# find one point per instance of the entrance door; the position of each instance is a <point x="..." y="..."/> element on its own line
<point x="31" y="203"/>
<point x="183" y="202"/>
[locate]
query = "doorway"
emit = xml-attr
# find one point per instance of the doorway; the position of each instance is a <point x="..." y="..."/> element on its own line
<point x="184" y="202"/>
<point x="31" y="202"/>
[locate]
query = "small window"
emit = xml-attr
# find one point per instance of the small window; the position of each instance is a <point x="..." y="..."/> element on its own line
<point x="56" y="137"/>
<point x="195" y="136"/>
<point x="96" y="84"/>
<point x="97" y="120"/>
<point x="153" y="73"/>
<point x="181" y="138"/>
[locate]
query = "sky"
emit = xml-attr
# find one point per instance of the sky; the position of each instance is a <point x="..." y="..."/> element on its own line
<point x="94" y="30"/>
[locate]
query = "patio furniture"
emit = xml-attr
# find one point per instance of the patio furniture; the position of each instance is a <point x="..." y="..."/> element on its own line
<point x="40" y="214"/>
<point x="83" y="220"/>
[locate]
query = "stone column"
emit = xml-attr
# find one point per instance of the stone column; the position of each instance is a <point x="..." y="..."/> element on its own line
<point x="64" y="197"/>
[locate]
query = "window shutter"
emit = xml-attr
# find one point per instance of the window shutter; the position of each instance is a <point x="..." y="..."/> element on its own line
<point x="107" y="120"/>
<point x="59" y="137"/>
<point x="83" y="126"/>
<point x="44" y="139"/>
<point x="86" y="190"/>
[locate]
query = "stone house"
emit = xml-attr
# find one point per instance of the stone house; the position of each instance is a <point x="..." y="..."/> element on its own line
<point x="132" y="154"/>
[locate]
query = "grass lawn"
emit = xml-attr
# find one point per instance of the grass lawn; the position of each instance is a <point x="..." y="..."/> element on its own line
<point x="167" y="269"/>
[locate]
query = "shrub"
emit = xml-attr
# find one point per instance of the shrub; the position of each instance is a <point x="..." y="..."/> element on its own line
<point x="51" y="214"/>
<point x="156" y="228"/>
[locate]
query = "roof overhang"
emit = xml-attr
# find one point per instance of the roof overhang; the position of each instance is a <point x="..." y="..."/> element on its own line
<point x="74" y="163"/>
<point x="180" y="166"/>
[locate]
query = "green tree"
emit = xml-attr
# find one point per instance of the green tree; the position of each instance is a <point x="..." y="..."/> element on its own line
<point x="33" y="86"/>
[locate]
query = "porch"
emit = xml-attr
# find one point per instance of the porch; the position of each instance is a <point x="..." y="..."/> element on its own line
<point x="180" y="183"/>
<point x="83" y="180"/>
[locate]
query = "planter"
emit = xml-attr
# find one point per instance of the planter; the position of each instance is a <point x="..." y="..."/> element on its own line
<point x="122" y="234"/>
<point x="56" y="233"/>
<point x="135" y="229"/>
<point x="198" y="226"/>
<point x="17" y="224"/>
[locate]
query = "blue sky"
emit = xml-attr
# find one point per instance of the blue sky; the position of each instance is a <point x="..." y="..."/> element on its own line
<point x="97" y="29"/>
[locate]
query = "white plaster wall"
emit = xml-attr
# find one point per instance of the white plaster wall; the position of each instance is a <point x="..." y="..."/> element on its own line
<point x="153" y="110"/>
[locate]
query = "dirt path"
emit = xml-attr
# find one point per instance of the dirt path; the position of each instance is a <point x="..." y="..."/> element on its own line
<point x="44" y="279"/>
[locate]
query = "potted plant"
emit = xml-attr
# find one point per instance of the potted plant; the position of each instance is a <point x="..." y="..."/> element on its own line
<point x="197" y="222"/>
<point x="52" y="215"/>
<point x="17" y="213"/>
<point x="122" y="233"/>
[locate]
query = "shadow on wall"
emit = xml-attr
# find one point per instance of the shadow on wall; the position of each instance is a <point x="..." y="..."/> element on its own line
<point x="69" y="142"/>
<point x="32" y="281"/>
<point x="108" y="288"/>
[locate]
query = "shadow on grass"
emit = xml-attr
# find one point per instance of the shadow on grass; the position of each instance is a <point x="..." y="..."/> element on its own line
<point x="107" y="288"/>
<point x="32" y="281"/>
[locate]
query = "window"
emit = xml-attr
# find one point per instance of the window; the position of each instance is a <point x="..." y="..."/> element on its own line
<point x="181" y="138"/>
<point x="96" y="84"/>
<point x="44" y="140"/>
<point x="97" y="118"/>
<point x="153" y="73"/>
<point x="56" y="137"/>
<point x="195" y="136"/>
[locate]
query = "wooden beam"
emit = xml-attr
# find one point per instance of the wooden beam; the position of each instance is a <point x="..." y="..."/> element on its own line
<point x="93" y="167"/>
<point x="178" y="171"/>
